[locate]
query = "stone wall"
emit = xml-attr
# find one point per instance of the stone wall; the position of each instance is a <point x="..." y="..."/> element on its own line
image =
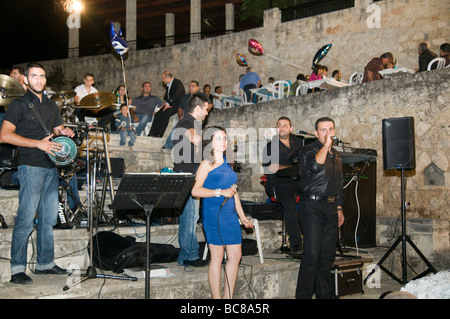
<point x="403" y="25"/>
<point x="358" y="112"/>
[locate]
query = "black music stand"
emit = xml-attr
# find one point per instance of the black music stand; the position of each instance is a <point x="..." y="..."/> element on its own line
<point x="149" y="191"/>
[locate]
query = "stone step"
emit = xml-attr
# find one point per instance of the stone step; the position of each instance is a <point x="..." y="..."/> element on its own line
<point x="71" y="244"/>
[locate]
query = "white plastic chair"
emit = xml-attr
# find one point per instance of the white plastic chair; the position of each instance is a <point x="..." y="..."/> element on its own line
<point x="440" y="63"/>
<point x="232" y="101"/>
<point x="279" y="89"/>
<point x="258" y="241"/>
<point x="355" y="78"/>
<point x="302" y="88"/>
<point x="244" y="97"/>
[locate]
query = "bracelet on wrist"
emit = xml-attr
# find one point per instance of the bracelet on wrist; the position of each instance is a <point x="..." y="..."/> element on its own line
<point x="218" y="192"/>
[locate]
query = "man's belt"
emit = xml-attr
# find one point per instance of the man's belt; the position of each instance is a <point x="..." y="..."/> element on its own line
<point x="319" y="198"/>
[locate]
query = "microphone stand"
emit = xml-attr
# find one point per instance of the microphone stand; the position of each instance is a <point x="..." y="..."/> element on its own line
<point x="91" y="272"/>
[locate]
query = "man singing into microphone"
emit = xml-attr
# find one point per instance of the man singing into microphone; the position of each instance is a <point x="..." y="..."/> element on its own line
<point x="321" y="212"/>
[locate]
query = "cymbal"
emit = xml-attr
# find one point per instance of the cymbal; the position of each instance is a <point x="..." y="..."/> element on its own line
<point x="10" y="89"/>
<point x="97" y="100"/>
<point x="63" y="95"/>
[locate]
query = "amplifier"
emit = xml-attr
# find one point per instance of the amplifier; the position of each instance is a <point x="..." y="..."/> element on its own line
<point x="261" y="210"/>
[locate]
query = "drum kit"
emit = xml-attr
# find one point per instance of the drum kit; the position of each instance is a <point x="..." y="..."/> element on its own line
<point x="76" y="154"/>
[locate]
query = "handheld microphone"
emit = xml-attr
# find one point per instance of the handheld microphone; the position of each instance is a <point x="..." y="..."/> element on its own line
<point x="335" y="140"/>
<point x="304" y="133"/>
<point x="234" y="186"/>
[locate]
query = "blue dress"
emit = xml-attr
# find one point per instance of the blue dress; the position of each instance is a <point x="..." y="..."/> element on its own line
<point x="230" y="231"/>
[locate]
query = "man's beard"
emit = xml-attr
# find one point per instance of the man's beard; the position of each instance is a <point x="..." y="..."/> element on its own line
<point x="34" y="90"/>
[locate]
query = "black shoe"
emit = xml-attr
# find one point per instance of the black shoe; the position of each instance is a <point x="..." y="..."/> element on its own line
<point x="52" y="271"/>
<point x="21" y="278"/>
<point x="196" y="263"/>
<point x="296" y="252"/>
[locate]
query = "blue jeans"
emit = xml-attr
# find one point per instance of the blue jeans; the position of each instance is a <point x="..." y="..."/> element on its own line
<point x="38" y="194"/>
<point x="187" y="237"/>
<point x="123" y="137"/>
<point x="169" y="142"/>
<point x="144" y="119"/>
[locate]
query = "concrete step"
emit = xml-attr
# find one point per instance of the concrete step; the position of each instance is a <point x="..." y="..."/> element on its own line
<point x="71" y="244"/>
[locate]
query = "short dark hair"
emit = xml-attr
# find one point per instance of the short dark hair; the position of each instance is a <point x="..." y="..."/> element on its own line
<point x="32" y="65"/>
<point x="20" y="69"/>
<point x="194" y="100"/>
<point x="286" y="119"/>
<point x="146" y="83"/>
<point x="88" y="74"/>
<point x="387" y="55"/>
<point x="445" y="47"/>
<point x="323" y="119"/>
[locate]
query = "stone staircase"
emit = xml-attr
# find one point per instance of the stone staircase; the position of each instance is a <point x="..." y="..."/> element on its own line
<point x="145" y="156"/>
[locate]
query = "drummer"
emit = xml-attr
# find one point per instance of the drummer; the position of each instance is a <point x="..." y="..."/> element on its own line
<point x="105" y="116"/>
<point x="280" y="153"/>
<point x="84" y="89"/>
<point x="81" y="91"/>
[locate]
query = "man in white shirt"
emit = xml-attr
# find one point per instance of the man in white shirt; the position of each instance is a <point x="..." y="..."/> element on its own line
<point x="104" y="116"/>
<point x="84" y="89"/>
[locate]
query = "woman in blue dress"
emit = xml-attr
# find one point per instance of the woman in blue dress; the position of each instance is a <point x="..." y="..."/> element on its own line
<point x="215" y="181"/>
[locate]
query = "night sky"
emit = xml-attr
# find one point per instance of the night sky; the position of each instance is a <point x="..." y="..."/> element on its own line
<point x="33" y="30"/>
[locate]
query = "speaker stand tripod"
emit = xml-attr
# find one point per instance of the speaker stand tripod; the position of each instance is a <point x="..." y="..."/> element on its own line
<point x="403" y="239"/>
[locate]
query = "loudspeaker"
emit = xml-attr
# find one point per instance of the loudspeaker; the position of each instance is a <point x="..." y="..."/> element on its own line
<point x="399" y="143"/>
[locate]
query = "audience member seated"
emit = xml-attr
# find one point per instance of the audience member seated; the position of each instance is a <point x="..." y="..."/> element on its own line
<point x="375" y="65"/>
<point x="172" y="98"/>
<point x="144" y="106"/>
<point x="425" y="57"/>
<point x="250" y="80"/>
<point x="318" y="73"/>
<point x="235" y="90"/>
<point x="295" y="85"/>
<point x="445" y="53"/>
<point x="336" y="75"/>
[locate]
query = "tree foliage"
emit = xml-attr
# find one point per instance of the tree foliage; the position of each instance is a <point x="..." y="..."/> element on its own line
<point x="254" y="9"/>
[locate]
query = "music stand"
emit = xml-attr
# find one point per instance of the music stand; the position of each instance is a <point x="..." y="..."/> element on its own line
<point x="149" y="191"/>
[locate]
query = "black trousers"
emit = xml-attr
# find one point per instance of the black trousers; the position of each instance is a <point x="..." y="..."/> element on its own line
<point x="285" y="190"/>
<point x="319" y="223"/>
<point x="160" y="121"/>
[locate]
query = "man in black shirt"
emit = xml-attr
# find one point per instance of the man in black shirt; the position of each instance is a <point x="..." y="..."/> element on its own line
<point x="285" y="189"/>
<point x="321" y="212"/>
<point x="38" y="177"/>
<point x="187" y="155"/>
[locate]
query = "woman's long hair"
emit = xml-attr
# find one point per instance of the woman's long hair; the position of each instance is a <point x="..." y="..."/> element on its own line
<point x="207" y="148"/>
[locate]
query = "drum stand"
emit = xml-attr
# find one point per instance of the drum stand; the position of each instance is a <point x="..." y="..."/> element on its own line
<point x="91" y="179"/>
<point x="67" y="216"/>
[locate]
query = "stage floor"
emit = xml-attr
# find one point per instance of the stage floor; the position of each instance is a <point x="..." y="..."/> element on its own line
<point x="275" y="279"/>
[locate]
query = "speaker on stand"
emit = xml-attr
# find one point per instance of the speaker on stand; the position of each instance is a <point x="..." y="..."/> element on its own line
<point x="399" y="153"/>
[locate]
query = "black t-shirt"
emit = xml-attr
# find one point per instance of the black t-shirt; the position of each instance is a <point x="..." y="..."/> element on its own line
<point x="187" y="157"/>
<point x="27" y="125"/>
<point x="282" y="154"/>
